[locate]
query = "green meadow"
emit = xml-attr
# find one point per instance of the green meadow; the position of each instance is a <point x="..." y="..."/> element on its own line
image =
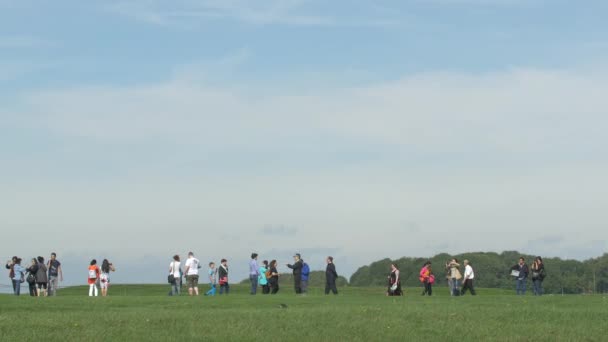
<point x="146" y="313"/>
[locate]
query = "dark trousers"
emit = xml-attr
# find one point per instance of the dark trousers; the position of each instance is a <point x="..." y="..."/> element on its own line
<point x="330" y="284"/>
<point x="297" y="284"/>
<point x="266" y="289"/>
<point x="33" y="291"/>
<point x="428" y="289"/>
<point x="274" y="287"/>
<point x="468" y="284"/>
<point x="224" y="287"/>
<point x="16" y="287"/>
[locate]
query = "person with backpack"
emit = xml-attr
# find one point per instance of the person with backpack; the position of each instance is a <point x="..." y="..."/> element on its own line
<point x="330" y="276"/>
<point x="469" y="276"/>
<point x="262" y="278"/>
<point x="305" y="276"/>
<point x="212" y="272"/>
<point x="104" y="279"/>
<point x="93" y="278"/>
<point x="520" y="271"/>
<point x="222" y="277"/>
<point x="31" y="277"/>
<point x="41" y="278"/>
<point x="427" y="278"/>
<point x="273" y="279"/>
<point x="538" y="275"/>
<point x="55" y="274"/>
<point x="18" y="273"/>
<point x="297" y="272"/>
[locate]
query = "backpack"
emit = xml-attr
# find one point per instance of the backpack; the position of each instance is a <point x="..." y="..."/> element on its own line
<point x="305" y="269"/>
<point x="92" y="273"/>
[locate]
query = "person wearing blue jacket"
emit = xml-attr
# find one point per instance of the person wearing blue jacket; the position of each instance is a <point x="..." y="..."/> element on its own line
<point x="305" y="276"/>
<point x="18" y="276"/>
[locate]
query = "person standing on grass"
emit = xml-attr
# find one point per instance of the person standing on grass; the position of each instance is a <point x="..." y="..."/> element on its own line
<point x="175" y="269"/>
<point x="104" y="279"/>
<point x="31" y="277"/>
<point x="11" y="270"/>
<point x="521" y="276"/>
<point x="55" y="274"/>
<point x="212" y="272"/>
<point x="41" y="278"/>
<point x="18" y="276"/>
<point x="222" y="275"/>
<point x="192" y="266"/>
<point x="297" y="272"/>
<point x="394" y="282"/>
<point x="274" y="277"/>
<point x="456" y="276"/>
<point x="448" y="276"/>
<point x="262" y="279"/>
<point x="427" y="278"/>
<point x="538" y="275"/>
<point x="93" y="278"/>
<point x="254" y="273"/>
<point x="469" y="276"/>
<point x="330" y="276"/>
<point x="305" y="276"/>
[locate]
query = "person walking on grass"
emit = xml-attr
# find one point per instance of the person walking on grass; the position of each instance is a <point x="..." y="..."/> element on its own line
<point x="41" y="278"/>
<point x="456" y="276"/>
<point x="262" y="278"/>
<point x="175" y="269"/>
<point x="212" y="272"/>
<point x="192" y="266"/>
<point x="222" y="275"/>
<point x="254" y="273"/>
<point x="297" y="272"/>
<point x="93" y="278"/>
<point x="427" y="278"/>
<point x="520" y="272"/>
<point x="31" y="277"/>
<point x="394" y="282"/>
<point x="305" y="277"/>
<point x="330" y="276"/>
<point x="469" y="276"/>
<point x="274" y="277"/>
<point x="55" y="274"/>
<point x="538" y="275"/>
<point x="104" y="279"/>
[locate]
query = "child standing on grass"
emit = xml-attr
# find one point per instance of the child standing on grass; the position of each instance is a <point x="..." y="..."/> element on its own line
<point x="212" y="273"/>
<point x="263" y="279"/>
<point x="93" y="278"/>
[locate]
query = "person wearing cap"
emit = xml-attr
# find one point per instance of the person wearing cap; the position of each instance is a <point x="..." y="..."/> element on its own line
<point x="254" y="273"/>
<point x="297" y="272"/>
<point x="330" y="276"/>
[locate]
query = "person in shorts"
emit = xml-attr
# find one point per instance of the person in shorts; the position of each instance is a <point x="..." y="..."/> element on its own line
<point x="192" y="266"/>
<point x="41" y="278"/>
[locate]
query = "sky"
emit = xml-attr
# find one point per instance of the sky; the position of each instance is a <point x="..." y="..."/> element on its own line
<point x="135" y="130"/>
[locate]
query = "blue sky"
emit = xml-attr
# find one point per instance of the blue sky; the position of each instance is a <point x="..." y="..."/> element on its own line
<point x="364" y="129"/>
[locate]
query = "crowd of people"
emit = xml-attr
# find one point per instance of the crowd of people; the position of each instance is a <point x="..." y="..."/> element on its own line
<point x="264" y="275"/>
<point x="43" y="277"/>
<point x="459" y="284"/>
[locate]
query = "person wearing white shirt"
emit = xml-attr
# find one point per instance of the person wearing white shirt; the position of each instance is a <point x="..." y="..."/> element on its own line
<point x="175" y="270"/>
<point x="192" y="266"/>
<point x="469" y="275"/>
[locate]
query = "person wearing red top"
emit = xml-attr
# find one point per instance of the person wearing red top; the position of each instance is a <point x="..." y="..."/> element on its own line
<point x="93" y="278"/>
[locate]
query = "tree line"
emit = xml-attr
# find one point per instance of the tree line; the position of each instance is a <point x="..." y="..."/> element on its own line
<point x="492" y="270"/>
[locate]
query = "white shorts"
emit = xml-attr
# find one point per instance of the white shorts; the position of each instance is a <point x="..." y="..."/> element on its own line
<point x="104" y="281"/>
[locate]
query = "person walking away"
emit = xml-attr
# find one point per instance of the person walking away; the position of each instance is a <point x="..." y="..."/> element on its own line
<point x="305" y="277"/>
<point x="104" y="279"/>
<point x="175" y="269"/>
<point x="222" y="275"/>
<point x="254" y="273"/>
<point x="538" y="275"/>
<point x="41" y="278"/>
<point x="55" y="274"/>
<point x="394" y="282"/>
<point x="262" y="280"/>
<point x="212" y="272"/>
<point x="297" y="272"/>
<point x="330" y="276"/>
<point x="456" y="276"/>
<point x="192" y="266"/>
<point x="520" y="271"/>
<point x="93" y="277"/>
<point x="425" y="279"/>
<point x="31" y="277"/>
<point x="274" y="277"/>
<point x="469" y="275"/>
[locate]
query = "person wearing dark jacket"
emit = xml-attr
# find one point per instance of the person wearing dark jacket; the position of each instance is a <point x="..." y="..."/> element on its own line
<point x="31" y="278"/>
<point x="297" y="272"/>
<point x="521" y="276"/>
<point x="538" y="275"/>
<point x="330" y="277"/>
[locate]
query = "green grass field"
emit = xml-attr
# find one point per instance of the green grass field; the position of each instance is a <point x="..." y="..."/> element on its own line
<point x="145" y="313"/>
